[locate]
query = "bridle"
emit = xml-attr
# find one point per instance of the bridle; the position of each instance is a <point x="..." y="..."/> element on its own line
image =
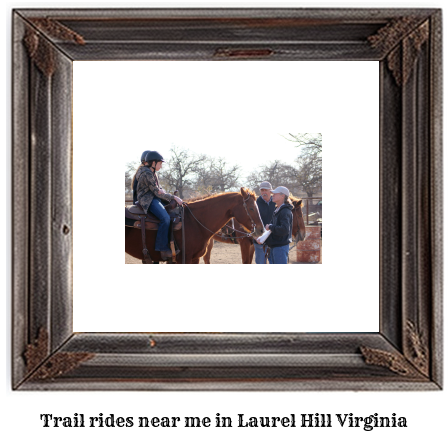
<point x="229" y="232"/>
<point x="222" y="235"/>
<point x="254" y="225"/>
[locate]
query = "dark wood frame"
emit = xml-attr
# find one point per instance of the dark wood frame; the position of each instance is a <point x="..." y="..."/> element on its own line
<point x="406" y="354"/>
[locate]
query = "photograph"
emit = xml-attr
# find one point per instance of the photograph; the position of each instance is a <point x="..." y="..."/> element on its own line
<point x="201" y="181"/>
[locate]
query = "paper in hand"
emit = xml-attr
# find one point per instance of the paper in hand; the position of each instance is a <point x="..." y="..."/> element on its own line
<point x="264" y="236"/>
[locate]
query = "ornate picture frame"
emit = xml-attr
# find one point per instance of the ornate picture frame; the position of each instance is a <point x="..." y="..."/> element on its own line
<point x="406" y="353"/>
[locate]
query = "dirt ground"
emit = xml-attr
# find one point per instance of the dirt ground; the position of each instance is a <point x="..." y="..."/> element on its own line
<point x="225" y="253"/>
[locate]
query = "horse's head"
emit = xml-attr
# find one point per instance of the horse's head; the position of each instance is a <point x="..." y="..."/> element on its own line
<point x="247" y="214"/>
<point x="298" y="225"/>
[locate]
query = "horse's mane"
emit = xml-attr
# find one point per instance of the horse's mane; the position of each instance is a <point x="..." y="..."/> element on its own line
<point x="215" y="195"/>
<point x="294" y="199"/>
<point x="202" y="197"/>
<point x="299" y="201"/>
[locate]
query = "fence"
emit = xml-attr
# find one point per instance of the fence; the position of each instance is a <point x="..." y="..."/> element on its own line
<point x="312" y="211"/>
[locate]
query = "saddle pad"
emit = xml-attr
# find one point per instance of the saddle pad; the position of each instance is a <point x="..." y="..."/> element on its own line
<point x="153" y="226"/>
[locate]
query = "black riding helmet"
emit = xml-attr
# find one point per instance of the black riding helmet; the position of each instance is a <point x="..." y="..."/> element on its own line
<point x="143" y="158"/>
<point x="153" y="156"/>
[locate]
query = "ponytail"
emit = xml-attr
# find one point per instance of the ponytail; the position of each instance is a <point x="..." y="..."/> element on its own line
<point x="133" y="178"/>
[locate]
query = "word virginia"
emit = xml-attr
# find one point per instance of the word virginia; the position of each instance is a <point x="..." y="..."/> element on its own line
<point x="323" y="420"/>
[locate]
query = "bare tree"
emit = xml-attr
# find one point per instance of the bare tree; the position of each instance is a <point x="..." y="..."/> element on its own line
<point x="225" y="176"/>
<point x="309" y="174"/>
<point x="180" y="170"/>
<point x="311" y="143"/>
<point x="277" y="173"/>
<point x="216" y="175"/>
<point x="309" y="162"/>
<point x="205" y="176"/>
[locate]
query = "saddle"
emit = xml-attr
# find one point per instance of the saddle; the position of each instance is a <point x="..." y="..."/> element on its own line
<point x="135" y="214"/>
<point x="135" y="217"/>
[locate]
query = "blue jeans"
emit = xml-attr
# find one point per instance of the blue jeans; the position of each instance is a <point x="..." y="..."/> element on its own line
<point x="260" y="258"/>
<point x="158" y="210"/>
<point x="279" y="255"/>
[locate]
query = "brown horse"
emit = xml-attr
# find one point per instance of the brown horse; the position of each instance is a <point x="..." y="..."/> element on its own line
<point x="246" y="243"/>
<point x="202" y="219"/>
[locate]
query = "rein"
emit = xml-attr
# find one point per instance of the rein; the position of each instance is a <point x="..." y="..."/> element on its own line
<point x="227" y="230"/>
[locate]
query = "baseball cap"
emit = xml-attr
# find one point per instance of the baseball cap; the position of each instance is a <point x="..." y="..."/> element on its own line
<point x="281" y="189"/>
<point x="265" y="185"/>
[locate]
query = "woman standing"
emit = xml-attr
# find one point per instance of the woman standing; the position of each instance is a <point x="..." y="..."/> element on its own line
<point x="149" y="196"/>
<point x="281" y="227"/>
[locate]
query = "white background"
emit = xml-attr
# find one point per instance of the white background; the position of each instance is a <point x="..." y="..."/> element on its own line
<point x="425" y="411"/>
<point x="118" y="105"/>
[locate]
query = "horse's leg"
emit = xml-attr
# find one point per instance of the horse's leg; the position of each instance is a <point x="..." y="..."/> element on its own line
<point x="251" y="253"/>
<point x="189" y="242"/>
<point x="245" y="251"/>
<point x="208" y="252"/>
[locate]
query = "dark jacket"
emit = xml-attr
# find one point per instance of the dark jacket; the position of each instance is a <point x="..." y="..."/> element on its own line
<point x="266" y="210"/>
<point x="148" y="187"/>
<point x="281" y="227"/>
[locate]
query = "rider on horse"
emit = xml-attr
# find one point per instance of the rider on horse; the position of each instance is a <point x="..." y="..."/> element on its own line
<point x="149" y="196"/>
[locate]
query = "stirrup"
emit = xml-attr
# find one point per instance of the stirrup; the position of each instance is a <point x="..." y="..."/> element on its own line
<point x="169" y="254"/>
